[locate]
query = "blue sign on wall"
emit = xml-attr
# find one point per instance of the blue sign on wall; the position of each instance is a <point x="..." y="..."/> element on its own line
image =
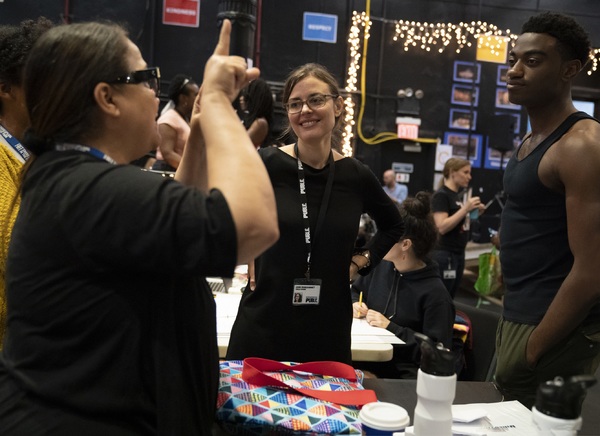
<point x="320" y="27"/>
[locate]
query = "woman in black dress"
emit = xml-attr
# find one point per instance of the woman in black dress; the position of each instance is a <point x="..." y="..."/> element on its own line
<point x="320" y="196"/>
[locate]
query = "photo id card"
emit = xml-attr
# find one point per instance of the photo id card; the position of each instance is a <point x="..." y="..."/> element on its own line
<point x="306" y="292"/>
<point x="449" y="274"/>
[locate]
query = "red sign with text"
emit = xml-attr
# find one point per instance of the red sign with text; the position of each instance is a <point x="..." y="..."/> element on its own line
<point x="181" y="12"/>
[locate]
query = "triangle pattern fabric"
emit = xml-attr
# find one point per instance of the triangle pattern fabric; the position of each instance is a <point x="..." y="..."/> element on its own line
<point x="246" y="409"/>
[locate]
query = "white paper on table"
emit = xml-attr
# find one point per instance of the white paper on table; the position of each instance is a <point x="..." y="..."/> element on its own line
<point x="364" y="339"/>
<point x="225" y="325"/>
<point x="507" y="417"/>
<point x="227" y="305"/>
<point x="360" y="327"/>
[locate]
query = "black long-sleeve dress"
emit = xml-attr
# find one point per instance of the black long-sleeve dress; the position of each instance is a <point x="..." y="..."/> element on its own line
<point x="268" y="324"/>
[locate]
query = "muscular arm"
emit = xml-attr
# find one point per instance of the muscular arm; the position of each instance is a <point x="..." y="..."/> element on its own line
<point x="576" y="168"/>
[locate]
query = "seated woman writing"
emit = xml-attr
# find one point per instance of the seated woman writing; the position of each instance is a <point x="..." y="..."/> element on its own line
<point x="405" y="294"/>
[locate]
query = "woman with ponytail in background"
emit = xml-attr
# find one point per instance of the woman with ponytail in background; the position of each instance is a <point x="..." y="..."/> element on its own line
<point x="405" y="294"/>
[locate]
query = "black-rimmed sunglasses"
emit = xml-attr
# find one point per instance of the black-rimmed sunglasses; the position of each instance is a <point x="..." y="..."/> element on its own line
<point x="149" y="77"/>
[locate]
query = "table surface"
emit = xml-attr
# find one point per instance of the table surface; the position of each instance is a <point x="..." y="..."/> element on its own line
<point x="369" y="344"/>
<point x="403" y="393"/>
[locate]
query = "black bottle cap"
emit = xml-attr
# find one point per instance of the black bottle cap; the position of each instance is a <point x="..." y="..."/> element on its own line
<point x="562" y="398"/>
<point x="435" y="358"/>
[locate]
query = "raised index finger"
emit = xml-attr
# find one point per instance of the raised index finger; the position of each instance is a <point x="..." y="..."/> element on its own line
<point x="222" y="47"/>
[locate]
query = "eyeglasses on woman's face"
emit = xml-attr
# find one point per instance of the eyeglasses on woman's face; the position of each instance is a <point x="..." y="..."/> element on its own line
<point x="149" y="77"/>
<point x="313" y="102"/>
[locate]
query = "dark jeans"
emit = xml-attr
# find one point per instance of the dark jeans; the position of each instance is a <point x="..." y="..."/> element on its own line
<point x="449" y="261"/>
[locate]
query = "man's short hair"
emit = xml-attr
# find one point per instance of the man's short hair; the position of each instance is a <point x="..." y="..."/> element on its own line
<point x="574" y="42"/>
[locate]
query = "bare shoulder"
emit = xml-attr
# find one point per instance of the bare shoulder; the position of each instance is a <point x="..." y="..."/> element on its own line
<point x="575" y="158"/>
<point x="580" y="143"/>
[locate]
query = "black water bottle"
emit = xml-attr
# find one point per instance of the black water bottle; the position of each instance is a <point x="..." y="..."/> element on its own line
<point x="558" y="402"/>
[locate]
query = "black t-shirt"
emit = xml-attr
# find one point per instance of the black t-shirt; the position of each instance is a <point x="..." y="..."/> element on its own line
<point x="110" y="322"/>
<point x="446" y="200"/>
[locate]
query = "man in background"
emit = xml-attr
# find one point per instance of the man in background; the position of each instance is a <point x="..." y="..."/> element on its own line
<point x="396" y="191"/>
<point x="550" y="236"/>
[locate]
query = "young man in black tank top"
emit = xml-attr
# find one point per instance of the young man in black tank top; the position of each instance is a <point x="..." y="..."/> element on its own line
<point x="550" y="235"/>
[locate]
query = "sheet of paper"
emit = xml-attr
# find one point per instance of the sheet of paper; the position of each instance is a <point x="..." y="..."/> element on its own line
<point x="507" y="417"/>
<point x="227" y="305"/>
<point x="365" y="339"/>
<point x="360" y="327"/>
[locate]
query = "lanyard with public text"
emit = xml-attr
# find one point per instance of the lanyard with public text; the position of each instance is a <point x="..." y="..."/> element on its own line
<point x="322" y="210"/>
<point x="85" y="149"/>
<point x="15" y="145"/>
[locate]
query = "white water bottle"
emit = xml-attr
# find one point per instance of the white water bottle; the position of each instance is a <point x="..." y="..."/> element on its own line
<point x="557" y="410"/>
<point x="436" y="387"/>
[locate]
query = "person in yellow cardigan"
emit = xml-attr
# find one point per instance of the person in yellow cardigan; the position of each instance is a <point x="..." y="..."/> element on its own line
<point x="15" y="43"/>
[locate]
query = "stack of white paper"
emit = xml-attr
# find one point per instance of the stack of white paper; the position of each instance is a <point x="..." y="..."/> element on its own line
<point x="507" y="417"/>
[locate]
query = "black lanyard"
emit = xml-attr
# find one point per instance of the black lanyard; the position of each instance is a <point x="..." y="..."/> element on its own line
<point x="324" y="204"/>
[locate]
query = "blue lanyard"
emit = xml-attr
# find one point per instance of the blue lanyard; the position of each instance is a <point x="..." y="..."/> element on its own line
<point x="15" y="145"/>
<point x="85" y="149"/>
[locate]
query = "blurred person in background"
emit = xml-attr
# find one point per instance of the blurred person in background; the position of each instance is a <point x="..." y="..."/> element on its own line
<point x="174" y="123"/>
<point x="15" y="43"/>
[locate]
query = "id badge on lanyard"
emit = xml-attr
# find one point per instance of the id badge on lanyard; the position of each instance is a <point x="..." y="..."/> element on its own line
<point x="449" y="272"/>
<point x="306" y="292"/>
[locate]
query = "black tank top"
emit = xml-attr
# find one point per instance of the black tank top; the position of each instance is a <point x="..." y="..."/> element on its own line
<point x="535" y="254"/>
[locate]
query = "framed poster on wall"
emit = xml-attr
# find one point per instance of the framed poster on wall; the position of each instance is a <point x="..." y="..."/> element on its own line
<point x="501" y="79"/>
<point x="466" y="72"/>
<point x="459" y="141"/>
<point x="463" y="119"/>
<point x="465" y="95"/>
<point x="502" y="100"/>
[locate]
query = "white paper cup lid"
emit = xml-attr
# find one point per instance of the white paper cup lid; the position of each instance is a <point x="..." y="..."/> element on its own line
<point x="384" y="416"/>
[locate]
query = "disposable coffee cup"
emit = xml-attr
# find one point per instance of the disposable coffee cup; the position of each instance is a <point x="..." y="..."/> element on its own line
<point x="383" y="419"/>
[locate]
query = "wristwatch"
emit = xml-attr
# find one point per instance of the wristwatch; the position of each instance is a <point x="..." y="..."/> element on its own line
<point x="367" y="255"/>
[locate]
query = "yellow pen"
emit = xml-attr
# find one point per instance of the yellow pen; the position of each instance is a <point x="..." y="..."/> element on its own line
<point x="360" y="299"/>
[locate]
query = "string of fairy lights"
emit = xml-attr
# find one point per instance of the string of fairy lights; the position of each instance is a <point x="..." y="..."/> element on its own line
<point x="428" y="36"/>
<point x="412" y="35"/>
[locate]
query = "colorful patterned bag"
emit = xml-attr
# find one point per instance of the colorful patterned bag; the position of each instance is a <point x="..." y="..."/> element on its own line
<point x="261" y="396"/>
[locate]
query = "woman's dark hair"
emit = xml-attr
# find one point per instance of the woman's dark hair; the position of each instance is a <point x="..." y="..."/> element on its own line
<point x="259" y="102"/>
<point x="15" y="44"/>
<point x="419" y="226"/>
<point x="64" y="67"/>
<point x="178" y="86"/>
<point x="573" y="40"/>
<point x="321" y="73"/>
